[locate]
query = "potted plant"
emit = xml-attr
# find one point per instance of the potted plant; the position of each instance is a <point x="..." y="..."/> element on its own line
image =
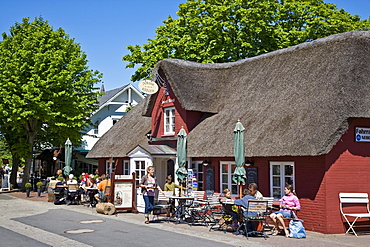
<point x="39" y="186"/>
<point x="28" y="187"/>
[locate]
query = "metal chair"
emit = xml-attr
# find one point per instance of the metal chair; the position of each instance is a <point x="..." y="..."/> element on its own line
<point x="354" y="199"/>
<point x="255" y="212"/>
<point x="162" y="205"/>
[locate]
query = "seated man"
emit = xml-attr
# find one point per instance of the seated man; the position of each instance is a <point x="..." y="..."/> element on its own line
<point x="101" y="188"/>
<point x="253" y="191"/>
<point x="244" y="203"/>
<point x="72" y="192"/>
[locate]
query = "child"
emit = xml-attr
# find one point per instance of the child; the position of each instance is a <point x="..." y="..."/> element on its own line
<point x="230" y="209"/>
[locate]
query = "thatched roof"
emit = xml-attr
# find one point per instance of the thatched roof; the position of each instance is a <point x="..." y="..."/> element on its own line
<point x="292" y="102"/>
<point x="125" y="135"/>
<point x="296" y="101"/>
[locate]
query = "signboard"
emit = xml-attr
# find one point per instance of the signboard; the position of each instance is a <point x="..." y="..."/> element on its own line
<point x="148" y="87"/>
<point x="210" y="178"/>
<point x="123" y="193"/>
<point x="252" y="175"/>
<point x="362" y="134"/>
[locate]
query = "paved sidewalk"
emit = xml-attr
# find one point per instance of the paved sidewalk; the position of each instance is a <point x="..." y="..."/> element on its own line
<point x="313" y="238"/>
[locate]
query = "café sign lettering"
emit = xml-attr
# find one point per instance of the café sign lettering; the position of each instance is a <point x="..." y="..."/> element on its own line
<point x="362" y="134"/>
<point x="148" y="87"/>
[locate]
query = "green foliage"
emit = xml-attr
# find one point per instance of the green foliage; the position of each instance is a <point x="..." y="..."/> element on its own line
<point x="39" y="185"/>
<point x="47" y="92"/>
<point x="215" y="31"/>
<point x="5" y="151"/>
<point x="129" y="108"/>
<point x="28" y="186"/>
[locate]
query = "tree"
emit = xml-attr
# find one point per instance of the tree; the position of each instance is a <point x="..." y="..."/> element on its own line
<point x="215" y="31"/>
<point x="47" y="92"/>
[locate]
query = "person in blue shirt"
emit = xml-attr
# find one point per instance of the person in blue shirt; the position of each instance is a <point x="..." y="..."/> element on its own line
<point x="243" y="202"/>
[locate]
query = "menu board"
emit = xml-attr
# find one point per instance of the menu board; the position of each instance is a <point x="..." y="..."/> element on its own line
<point x="252" y="175"/>
<point x="123" y="193"/>
<point x="210" y="178"/>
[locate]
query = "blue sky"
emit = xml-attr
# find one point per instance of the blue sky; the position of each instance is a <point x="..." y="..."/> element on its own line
<point x="104" y="28"/>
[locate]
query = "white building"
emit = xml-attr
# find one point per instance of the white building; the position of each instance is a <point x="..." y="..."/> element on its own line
<point x="113" y="105"/>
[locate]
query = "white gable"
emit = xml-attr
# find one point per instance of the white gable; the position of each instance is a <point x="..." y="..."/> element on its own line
<point x="112" y="108"/>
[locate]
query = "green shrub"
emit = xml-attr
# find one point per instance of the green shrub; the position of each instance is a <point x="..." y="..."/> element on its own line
<point x="28" y="186"/>
<point x="39" y="185"/>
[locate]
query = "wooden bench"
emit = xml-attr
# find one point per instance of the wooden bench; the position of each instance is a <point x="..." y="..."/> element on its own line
<point x="348" y="200"/>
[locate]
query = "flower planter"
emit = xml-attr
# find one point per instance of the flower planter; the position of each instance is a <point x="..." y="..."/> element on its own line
<point x="27" y="193"/>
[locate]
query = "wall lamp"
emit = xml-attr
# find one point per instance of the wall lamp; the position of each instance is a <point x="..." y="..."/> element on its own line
<point x="206" y="163"/>
<point x="249" y="163"/>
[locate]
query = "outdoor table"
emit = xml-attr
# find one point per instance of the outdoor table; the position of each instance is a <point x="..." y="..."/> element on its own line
<point x="181" y="208"/>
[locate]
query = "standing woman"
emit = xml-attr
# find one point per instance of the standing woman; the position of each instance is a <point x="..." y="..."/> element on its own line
<point x="288" y="203"/>
<point x="148" y="185"/>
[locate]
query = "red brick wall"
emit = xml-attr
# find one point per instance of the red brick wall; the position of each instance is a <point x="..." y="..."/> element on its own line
<point x="347" y="170"/>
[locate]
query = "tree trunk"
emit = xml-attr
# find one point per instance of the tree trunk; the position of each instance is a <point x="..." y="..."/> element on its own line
<point x="31" y="135"/>
<point x="13" y="175"/>
<point x="26" y="171"/>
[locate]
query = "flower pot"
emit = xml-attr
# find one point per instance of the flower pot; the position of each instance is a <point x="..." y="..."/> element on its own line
<point x="38" y="192"/>
<point x="28" y="193"/>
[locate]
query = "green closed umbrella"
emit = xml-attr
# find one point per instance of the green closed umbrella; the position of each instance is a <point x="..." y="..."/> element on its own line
<point x="239" y="176"/>
<point x="68" y="157"/>
<point x="181" y="172"/>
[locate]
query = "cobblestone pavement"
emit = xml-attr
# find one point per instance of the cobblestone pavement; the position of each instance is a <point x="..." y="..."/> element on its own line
<point x="11" y="201"/>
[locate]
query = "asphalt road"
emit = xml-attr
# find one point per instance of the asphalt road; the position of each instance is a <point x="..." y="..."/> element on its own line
<point x="107" y="231"/>
<point x="30" y="223"/>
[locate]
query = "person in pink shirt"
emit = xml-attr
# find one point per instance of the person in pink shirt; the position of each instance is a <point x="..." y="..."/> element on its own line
<point x="288" y="203"/>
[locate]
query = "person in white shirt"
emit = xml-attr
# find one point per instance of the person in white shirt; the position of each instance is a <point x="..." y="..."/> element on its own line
<point x="253" y="191"/>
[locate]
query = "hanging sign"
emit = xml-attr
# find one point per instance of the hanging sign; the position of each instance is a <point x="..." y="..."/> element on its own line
<point x="362" y="134"/>
<point x="148" y="87"/>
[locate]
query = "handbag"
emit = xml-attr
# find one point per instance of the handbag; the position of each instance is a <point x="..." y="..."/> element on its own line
<point x="296" y="228"/>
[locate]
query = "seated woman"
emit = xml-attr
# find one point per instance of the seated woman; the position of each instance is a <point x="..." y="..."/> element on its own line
<point x="288" y="203"/>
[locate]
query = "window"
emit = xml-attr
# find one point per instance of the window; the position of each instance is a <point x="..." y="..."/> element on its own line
<point x="126" y="167"/>
<point x="139" y="170"/>
<point x="96" y="127"/>
<point x="198" y="172"/>
<point x="169" y="121"/>
<point x="109" y="167"/>
<point x="281" y="173"/>
<point x="227" y="170"/>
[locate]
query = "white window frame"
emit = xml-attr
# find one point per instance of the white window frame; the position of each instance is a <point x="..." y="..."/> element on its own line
<point x="126" y="167"/>
<point x="229" y="184"/>
<point x="109" y="169"/>
<point x="278" y="180"/>
<point x="140" y="169"/>
<point x="169" y="126"/>
<point x="198" y="168"/>
<point x="96" y="127"/>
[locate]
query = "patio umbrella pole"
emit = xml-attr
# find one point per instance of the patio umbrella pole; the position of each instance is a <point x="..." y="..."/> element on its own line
<point x="181" y="153"/>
